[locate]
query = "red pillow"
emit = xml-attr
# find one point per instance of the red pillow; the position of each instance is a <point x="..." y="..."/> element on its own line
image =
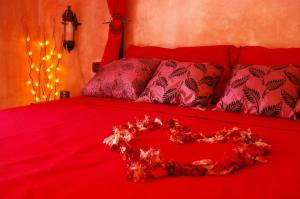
<point x="266" y="56"/>
<point x="220" y="55"/>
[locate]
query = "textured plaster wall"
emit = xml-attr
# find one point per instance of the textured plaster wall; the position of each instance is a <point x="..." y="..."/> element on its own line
<point x="171" y="23"/>
<point x="91" y="38"/>
<point x="41" y="16"/>
<point x="12" y="57"/>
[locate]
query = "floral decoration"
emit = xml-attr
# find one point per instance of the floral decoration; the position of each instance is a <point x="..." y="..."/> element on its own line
<point x="143" y="165"/>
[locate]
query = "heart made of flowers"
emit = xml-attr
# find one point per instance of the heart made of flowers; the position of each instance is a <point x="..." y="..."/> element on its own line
<point x="143" y="165"/>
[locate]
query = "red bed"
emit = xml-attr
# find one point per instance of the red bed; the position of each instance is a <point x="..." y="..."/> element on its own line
<point x="55" y="150"/>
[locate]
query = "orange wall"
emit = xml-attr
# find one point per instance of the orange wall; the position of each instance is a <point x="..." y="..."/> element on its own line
<point x="171" y="23"/>
<point x="90" y="38"/>
<point x="40" y="15"/>
<point x="12" y="57"/>
<point x="168" y="23"/>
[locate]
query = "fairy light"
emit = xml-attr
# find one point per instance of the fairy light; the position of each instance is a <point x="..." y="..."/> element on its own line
<point x="44" y="83"/>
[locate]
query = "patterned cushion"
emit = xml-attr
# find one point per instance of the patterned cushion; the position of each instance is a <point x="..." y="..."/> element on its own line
<point x="297" y="108"/>
<point x="183" y="83"/>
<point x="123" y="79"/>
<point x="262" y="90"/>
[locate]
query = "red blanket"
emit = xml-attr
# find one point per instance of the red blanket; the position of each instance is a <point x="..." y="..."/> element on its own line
<point x="55" y="150"/>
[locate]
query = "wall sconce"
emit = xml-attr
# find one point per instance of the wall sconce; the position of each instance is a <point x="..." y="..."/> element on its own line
<point x="70" y="26"/>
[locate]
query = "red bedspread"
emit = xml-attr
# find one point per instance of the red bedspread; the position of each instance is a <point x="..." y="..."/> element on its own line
<point x="55" y="150"/>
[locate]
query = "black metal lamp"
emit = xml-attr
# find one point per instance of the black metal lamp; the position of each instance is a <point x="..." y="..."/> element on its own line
<point x="70" y="26"/>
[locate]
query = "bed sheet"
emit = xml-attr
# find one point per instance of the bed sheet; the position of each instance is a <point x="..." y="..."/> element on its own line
<point x="55" y="150"/>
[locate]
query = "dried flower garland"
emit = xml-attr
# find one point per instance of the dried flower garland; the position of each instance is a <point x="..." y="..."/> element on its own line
<point x="143" y="165"/>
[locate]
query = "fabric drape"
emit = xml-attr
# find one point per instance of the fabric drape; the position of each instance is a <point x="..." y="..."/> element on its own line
<point x="117" y="9"/>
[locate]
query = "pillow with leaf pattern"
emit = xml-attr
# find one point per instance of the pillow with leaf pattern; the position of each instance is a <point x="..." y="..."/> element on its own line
<point x="297" y="108"/>
<point x="262" y="90"/>
<point x="122" y="79"/>
<point x="182" y="83"/>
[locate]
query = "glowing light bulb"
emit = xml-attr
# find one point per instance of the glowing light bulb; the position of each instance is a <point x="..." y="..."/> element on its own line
<point x="41" y="44"/>
<point x="44" y="58"/>
<point x="44" y="96"/>
<point x="57" y="80"/>
<point x="50" y="76"/>
<point x="51" y="53"/>
<point x="37" y="99"/>
<point x="48" y="70"/>
<point x="58" y="68"/>
<point x="56" y="94"/>
<point x="59" y="56"/>
<point x="28" y="39"/>
<point x="51" y="87"/>
<point x="36" y="84"/>
<point x="51" y="66"/>
<point x="30" y="53"/>
<point x="31" y="66"/>
<point x="37" y="69"/>
<point x="28" y="82"/>
<point x="48" y="85"/>
<point x="46" y="42"/>
<point x="33" y="92"/>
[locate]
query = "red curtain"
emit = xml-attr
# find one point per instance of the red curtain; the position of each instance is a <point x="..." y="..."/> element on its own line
<point x="117" y="9"/>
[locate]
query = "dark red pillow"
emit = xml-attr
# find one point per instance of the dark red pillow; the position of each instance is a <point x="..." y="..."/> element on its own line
<point x="266" y="56"/>
<point x="219" y="55"/>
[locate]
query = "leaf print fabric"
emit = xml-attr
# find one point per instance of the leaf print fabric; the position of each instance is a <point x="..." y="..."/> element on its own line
<point x="262" y="90"/>
<point x="183" y="83"/>
<point x="297" y="108"/>
<point x="122" y="79"/>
